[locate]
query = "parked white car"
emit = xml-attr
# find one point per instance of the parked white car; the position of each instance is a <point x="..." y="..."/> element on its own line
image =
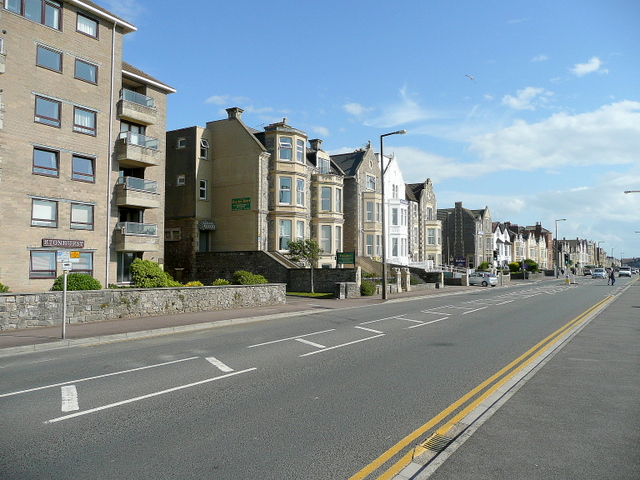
<point x="624" y="272"/>
<point x="483" y="278"/>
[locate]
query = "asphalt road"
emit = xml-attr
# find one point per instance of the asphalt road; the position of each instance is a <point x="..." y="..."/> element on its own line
<point x="313" y="397"/>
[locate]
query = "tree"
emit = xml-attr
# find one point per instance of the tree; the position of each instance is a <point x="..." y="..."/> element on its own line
<point x="305" y="252"/>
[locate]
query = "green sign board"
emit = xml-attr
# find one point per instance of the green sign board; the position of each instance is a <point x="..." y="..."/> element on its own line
<point x="241" y="203"/>
<point x="348" y="258"/>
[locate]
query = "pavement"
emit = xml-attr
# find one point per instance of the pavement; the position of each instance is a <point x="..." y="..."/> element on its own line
<point x="577" y="417"/>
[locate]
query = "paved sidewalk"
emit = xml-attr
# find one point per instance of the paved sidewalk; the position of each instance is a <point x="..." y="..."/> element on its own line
<point x="577" y="417"/>
<point x="45" y="338"/>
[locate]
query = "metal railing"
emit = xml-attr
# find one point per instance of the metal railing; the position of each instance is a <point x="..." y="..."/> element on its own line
<point x="134" y="228"/>
<point x="135" y="183"/>
<point x="133" y="138"/>
<point x="138" y="98"/>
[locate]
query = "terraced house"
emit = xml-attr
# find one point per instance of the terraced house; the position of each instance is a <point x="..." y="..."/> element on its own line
<point x="81" y="146"/>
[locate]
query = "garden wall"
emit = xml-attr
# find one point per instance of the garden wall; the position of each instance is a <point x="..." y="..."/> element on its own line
<point x="43" y="309"/>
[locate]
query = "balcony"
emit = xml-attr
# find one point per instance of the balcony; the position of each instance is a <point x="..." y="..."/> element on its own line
<point x="137" y="150"/>
<point x="137" y="107"/>
<point x="137" y="192"/>
<point x="136" y="237"/>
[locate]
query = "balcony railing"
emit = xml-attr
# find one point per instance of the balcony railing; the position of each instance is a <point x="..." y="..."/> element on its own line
<point x="133" y="138"/>
<point x="138" y="98"/>
<point x="150" y="186"/>
<point x="134" y="228"/>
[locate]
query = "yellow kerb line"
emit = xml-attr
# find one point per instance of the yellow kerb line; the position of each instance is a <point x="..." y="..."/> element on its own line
<point x="386" y="456"/>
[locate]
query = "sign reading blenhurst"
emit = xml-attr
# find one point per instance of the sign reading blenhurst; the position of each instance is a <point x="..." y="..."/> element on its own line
<point x="241" y="203"/>
<point x="54" y="242"/>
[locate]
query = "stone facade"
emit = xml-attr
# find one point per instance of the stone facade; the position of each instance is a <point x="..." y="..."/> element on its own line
<point x="45" y="309"/>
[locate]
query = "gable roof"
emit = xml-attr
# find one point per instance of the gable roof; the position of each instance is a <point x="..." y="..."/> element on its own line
<point x="137" y="74"/>
<point x="103" y="13"/>
<point x="349" y="162"/>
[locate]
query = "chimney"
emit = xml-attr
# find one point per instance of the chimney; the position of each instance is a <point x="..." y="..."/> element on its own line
<point x="234" y="113"/>
<point x="315" y="144"/>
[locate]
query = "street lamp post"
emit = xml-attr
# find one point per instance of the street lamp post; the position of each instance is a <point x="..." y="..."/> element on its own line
<point x="558" y="244"/>
<point x="384" y="231"/>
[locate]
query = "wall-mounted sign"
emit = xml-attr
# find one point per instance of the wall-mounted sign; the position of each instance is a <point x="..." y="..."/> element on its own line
<point x="54" y="242"/>
<point x="241" y="203"/>
<point x="348" y="258"/>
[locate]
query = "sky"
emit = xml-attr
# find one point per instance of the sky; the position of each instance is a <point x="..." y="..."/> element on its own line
<point x="529" y="108"/>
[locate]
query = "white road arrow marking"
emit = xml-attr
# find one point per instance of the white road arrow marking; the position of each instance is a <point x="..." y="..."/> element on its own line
<point x="217" y="363"/>
<point x="69" y="398"/>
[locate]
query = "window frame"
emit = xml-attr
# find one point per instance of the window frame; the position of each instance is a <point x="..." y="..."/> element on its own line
<point x="284" y="192"/>
<point x="285" y="149"/>
<point x="89" y="19"/>
<point x="79" y="176"/>
<point x="78" y="128"/>
<point x="50" y="273"/>
<point x="339" y="200"/>
<point x="300" y="192"/>
<point x="43" y="170"/>
<point x="83" y="79"/>
<point x="45" y="119"/>
<point x="44" y="222"/>
<point x="203" y="190"/>
<point x="77" y="225"/>
<point x="300" y="151"/>
<point x="40" y="48"/>
<point x="371" y="182"/>
<point x="299" y="230"/>
<point x="204" y="148"/>
<point x="46" y="6"/>
<point x="326" y="241"/>
<point x="282" y="234"/>
<point x="325" y="199"/>
<point x="76" y="266"/>
<point x="369" y="212"/>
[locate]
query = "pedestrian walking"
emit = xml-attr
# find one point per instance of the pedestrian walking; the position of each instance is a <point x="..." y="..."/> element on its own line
<point x="612" y="277"/>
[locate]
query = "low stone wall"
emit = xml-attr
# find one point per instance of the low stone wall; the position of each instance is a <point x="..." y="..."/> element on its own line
<point x="43" y="309"/>
<point x="324" y="279"/>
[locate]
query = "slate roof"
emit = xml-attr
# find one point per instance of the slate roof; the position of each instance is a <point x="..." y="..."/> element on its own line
<point x="349" y="162"/>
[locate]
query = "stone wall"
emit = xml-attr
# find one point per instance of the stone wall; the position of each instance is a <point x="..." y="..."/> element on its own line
<point x="324" y="279"/>
<point x="43" y="309"/>
<point x="213" y="265"/>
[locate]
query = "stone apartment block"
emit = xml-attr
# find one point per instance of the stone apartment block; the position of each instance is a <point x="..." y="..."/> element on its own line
<point x="425" y="234"/>
<point x="467" y="236"/>
<point x="231" y="188"/>
<point x="81" y="146"/>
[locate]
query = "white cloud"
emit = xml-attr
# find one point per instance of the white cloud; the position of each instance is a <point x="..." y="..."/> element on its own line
<point x="607" y="136"/>
<point x="418" y="165"/>
<point x="540" y="58"/>
<point x="321" y="131"/>
<point x="226" y="100"/>
<point x="527" y="99"/>
<point x="593" y="65"/>
<point x="356" y="109"/>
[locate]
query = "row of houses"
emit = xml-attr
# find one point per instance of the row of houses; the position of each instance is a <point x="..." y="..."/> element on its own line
<point x="90" y="177"/>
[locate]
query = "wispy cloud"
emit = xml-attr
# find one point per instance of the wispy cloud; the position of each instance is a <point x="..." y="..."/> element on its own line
<point x="227" y="100"/>
<point x="129" y="10"/>
<point x="320" y="131"/>
<point x="593" y="65"/>
<point x="527" y="99"/>
<point x="356" y="109"/>
<point x="540" y="58"/>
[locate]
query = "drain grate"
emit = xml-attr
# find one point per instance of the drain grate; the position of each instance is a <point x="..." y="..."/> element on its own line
<point x="436" y="442"/>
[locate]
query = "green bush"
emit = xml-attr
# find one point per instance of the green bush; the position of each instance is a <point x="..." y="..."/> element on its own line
<point x="195" y="283"/>
<point x="77" y="281"/>
<point x="148" y="274"/>
<point x="221" y="281"/>
<point x="483" y="267"/>
<point x="242" y="277"/>
<point x="514" y="267"/>
<point x="367" y="288"/>
<point x="3" y="288"/>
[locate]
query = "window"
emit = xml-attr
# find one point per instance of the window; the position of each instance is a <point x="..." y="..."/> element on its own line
<point x="87" y="25"/>
<point x="325" y="238"/>
<point x="339" y="200"/>
<point x="378" y="246"/>
<point x="370" y="245"/>
<point x="378" y="209"/>
<point x="431" y="236"/>
<point x="394" y="246"/>
<point x="204" y="148"/>
<point x="300" y="192"/>
<point x="371" y="182"/>
<point x="83" y="169"/>
<point x="172" y="235"/>
<point x="45" y="162"/>
<point x="48" y="58"/>
<point x="203" y="189"/>
<point x="300" y="151"/>
<point x="394" y="216"/>
<point x="84" y="121"/>
<point x="286" y="148"/>
<point x="323" y="165"/>
<point x="48" y="111"/>
<point x="83" y="264"/>
<point x="285" y="190"/>
<point x="325" y="199"/>
<point x="81" y="216"/>
<point x="338" y="241"/>
<point x="299" y="231"/>
<point x="285" y="234"/>
<point x="203" y="240"/>
<point x="43" y="264"/>
<point x="45" y="12"/>
<point x="86" y="71"/>
<point x="181" y="180"/>
<point x="369" y="217"/>
<point x="44" y="213"/>
<point x="180" y="143"/>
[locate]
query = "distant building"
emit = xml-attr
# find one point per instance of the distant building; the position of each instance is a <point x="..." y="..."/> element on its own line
<point x="467" y="236"/>
<point x="425" y="232"/>
<point x="82" y="146"/>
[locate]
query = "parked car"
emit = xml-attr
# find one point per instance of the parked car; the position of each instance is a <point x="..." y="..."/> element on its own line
<point x="624" y="272"/>
<point x="587" y="271"/>
<point x="483" y="278"/>
<point x="599" y="273"/>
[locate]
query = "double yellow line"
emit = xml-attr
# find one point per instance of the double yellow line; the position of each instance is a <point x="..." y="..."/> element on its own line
<point x="475" y="397"/>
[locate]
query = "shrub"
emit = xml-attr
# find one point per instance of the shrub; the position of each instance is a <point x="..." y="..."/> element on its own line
<point x="77" y="281"/>
<point x="195" y="283"/>
<point x="148" y="274"/>
<point x="242" y="277"/>
<point x="514" y="267"/>
<point x="221" y="281"/>
<point x="367" y="288"/>
<point x="3" y="288"/>
<point x="483" y="267"/>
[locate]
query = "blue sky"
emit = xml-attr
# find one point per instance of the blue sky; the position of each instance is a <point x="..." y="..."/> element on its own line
<point x="548" y="128"/>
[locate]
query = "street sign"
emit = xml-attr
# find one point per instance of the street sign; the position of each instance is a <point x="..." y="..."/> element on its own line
<point x="348" y="258"/>
<point x="74" y="254"/>
<point x="63" y="256"/>
<point x="66" y="266"/>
